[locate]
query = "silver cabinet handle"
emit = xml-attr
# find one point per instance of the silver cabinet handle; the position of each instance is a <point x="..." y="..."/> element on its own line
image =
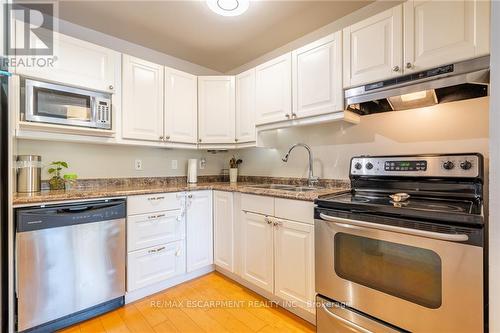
<point x="167" y="137"/>
<point x="287" y="116"/>
<point x="294" y="115"/>
<point x="111" y="87"/>
<point x="190" y="195"/>
<point x="268" y="220"/>
<point x="409" y="65"/>
<point x="356" y="328"/>
<point x="157" y="250"/>
<point x="154" y="217"/>
<point x="395" y="69"/>
<point x="368" y="225"/>
<point x="155" y="198"/>
<point x="161" y="138"/>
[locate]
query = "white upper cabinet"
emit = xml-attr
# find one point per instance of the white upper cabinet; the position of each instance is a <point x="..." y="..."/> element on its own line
<point x="78" y="63"/>
<point x="273" y="89"/>
<point x="199" y="226"/>
<point x="317" y="77"/>
<point x="142" y="109"/>
<point x="216" y="109"/>
<point x="223" y="230"/>
<point x="245" y="106"/>
<point x="373" y="48"/>
<point x="181" y="106"/>
<point x="443" y="32"/>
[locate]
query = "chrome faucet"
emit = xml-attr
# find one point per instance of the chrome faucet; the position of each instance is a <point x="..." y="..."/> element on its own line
<point x="311" y="180"/>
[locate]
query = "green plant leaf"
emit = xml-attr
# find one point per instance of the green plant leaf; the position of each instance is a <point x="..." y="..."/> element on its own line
<point x="51" y="170"/>
<point x="64" y="164"/>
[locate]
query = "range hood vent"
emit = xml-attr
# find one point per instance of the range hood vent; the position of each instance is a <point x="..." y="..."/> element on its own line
<point x="455" y="82"/>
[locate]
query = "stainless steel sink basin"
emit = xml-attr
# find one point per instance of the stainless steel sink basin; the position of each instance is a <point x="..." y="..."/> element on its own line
<point x="284" y="187"/>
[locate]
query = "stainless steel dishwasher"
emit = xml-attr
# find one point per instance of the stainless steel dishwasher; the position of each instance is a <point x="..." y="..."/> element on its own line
<point x="70" y="263"/>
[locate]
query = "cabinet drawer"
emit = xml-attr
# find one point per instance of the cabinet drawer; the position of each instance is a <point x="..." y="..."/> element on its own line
<point x="153" y="229"/>
<point x="257" y="204"/>
<point x="295" y="210"/>
<point x="143" y="204"/>
<point x="155" y="264"/>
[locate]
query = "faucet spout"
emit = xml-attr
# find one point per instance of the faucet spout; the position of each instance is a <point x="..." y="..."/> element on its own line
<point x="311" y="180"/>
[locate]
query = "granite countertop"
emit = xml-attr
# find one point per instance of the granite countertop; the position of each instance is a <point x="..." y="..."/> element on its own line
<point x="93" y="192"/>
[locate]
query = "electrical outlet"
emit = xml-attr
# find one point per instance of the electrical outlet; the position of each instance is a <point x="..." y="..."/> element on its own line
<point x="138" y="164"/>
<point x="203" y="162"/>
<point x="174" y="164"/>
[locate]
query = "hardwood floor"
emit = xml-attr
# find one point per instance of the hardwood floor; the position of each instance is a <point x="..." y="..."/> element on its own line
<point x="211" y="303"/>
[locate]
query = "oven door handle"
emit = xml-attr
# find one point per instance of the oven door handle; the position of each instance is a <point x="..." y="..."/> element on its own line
<point x="355" y="327"/>
<point x="422" y="233"/>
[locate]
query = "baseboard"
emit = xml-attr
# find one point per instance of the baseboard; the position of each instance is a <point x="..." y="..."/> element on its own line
<point x="160" y="286"/>
<point x="302" y="313"/>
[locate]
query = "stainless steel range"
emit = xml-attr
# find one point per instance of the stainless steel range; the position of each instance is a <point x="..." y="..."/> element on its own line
<point x="404" y="249"/>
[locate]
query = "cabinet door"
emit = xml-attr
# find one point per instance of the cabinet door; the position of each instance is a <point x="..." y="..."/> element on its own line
<point x="199" y="234"/>
<point x="245" y="106"/>
<point x="78" y="63"/>
<point x="223" y="230"/>
<point x="373" y="48"/>
<point x="317" y="77"/>
<point x="155" y="264"/>
<point x="442" y="32"/>
<point x="142" y="108"/>
<point x="257" y="250"/>
<point x="216" y="109"/>
<point x="154" y="229"/>
<point x="273" y="90"/>
<point x="294" y="262"/>
<point x="181" y="106"/>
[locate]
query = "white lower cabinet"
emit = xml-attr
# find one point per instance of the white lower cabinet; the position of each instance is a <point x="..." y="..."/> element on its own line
<point x="199" y="230"/>
<point x="277" y="254"/>
<point x="223" y="230"/>
<point x="152" y="229"/>
<point x="155" y="264"/>
<point x="257" y="250"/>
<point x="156" y="233"/>
<point x="294" y="262"/>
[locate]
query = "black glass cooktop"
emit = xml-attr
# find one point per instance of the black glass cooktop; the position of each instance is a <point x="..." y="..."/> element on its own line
<point x="429" y="208"/>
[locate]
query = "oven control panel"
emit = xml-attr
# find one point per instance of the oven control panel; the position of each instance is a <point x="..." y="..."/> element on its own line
<point x="459" y="166"/>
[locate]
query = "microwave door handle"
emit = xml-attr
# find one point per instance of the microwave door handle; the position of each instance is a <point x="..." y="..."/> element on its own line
<point x="355" y="327"/>
<point x="93" y="106"/>
<point x="368" y="225"/>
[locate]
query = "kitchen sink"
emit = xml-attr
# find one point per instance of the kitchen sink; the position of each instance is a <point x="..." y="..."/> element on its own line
<point x="284" y="187"/>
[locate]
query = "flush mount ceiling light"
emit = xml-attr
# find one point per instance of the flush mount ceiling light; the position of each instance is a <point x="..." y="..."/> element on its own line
<point x="228" y="7"/>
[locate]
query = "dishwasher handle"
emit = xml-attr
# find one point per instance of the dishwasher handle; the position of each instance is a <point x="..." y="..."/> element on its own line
<point x="54" y="216"/>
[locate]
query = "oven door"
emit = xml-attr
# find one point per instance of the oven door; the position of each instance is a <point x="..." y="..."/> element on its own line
<point x="417" y="280"/>
<point x="57" y="104"/>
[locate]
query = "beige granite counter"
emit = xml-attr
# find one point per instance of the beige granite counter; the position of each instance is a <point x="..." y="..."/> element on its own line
<point x="103" y="191"/>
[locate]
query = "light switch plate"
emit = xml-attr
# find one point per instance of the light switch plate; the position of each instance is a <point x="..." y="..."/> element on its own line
<point x="174" y="164"/>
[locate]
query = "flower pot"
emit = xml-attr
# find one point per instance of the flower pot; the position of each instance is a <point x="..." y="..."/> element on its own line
<point x="233" y="175"/>
<point x="56" y="183"/>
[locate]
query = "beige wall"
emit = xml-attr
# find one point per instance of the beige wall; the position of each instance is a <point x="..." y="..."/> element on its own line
<point x="453" y="127"/>
<point x="103" y="161"/>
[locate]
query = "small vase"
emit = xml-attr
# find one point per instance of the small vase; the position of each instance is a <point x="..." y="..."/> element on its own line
<point x="233" y="175"/>
<point x="56" y="183"/>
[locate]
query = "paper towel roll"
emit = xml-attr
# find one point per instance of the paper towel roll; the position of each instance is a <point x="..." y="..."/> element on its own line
<point x="192" y="172"/>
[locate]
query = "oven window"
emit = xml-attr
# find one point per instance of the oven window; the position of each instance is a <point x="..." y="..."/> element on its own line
<point x="61" y="105"/>
<point x="403" y="271"/>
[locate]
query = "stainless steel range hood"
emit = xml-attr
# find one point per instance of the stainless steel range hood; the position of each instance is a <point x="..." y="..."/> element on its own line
<point x="459" y="81"/>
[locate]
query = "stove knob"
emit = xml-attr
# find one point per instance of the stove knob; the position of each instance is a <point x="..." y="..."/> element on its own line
<point x="358" y="166"/>
<point x="369" y="166"/>
<point x="466" y="165"/>
<point x="448" y="165"/>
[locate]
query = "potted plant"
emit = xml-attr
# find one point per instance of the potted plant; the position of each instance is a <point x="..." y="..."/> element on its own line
<point x="233" y="171"/>
<point x="56" y="182"/>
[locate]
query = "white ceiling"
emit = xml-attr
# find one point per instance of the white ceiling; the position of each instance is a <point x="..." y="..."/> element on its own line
<point x="190" y="31"/>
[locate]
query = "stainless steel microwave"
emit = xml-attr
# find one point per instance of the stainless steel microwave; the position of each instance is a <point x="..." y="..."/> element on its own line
<point x="63" y="105"/>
